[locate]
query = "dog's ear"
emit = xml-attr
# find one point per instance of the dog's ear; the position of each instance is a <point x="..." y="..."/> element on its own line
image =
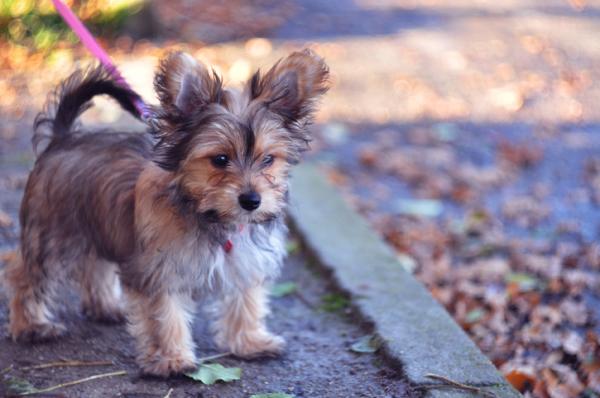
<point x="185" y="85"/>
<point x="291" y="87"/>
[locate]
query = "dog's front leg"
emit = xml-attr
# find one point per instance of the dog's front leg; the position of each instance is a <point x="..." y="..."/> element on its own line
<point x="161" y="326"/>
<point x="241" y="328"/>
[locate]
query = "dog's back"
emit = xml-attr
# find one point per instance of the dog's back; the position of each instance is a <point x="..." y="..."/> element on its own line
<point x="82" y="192"/>
<point x="200" y="212"/>
<point x="82" y="183"/>
<point x="77" y="209"/>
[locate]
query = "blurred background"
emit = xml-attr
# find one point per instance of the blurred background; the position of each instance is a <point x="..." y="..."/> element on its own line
<point x="467" y="132"/>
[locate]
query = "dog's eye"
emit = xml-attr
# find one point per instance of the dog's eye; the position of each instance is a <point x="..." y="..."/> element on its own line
<point x="268" y="160"/>
<point x="220" y="161"/>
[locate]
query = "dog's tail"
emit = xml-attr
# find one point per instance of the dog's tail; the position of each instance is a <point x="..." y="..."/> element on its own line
<point x="72" y="97"/>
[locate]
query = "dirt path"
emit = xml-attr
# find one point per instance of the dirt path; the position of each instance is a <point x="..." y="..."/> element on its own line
<point x="317" y="362"/>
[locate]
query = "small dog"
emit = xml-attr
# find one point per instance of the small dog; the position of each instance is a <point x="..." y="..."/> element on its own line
<point x="194" y="209"/>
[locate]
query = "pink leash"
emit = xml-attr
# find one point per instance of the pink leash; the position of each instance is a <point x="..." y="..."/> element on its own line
<point x="92" y="45"/>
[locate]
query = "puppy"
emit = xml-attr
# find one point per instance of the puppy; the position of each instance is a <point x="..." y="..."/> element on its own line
<point x="194" y="209"/>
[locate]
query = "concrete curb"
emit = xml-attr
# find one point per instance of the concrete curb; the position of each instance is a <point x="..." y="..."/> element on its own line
<point x="418" y="333"/>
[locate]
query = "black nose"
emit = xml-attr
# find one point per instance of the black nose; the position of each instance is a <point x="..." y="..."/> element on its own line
<point x="249" y="200"/>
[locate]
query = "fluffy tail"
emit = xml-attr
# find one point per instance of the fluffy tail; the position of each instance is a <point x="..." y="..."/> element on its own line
<point x="72" y="97"/>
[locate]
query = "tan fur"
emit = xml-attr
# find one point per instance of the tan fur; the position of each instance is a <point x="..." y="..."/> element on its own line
<point x="101" y="298"/>
<point x="240" y="326"/>
<point x="30" y="315"/>
<point x="155" y="216"/>
<point x="161" y="328"/>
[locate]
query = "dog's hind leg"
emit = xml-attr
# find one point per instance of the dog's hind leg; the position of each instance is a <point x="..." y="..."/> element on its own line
<point x="31" y="301"/>
<point x="101" y="298"/>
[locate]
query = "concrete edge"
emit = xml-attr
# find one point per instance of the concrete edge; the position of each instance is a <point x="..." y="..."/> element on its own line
<point x="417" y="331"/>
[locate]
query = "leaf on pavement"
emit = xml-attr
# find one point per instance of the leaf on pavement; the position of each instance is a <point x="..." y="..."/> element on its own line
<point x="525" y="282"/>
<point x="420" y="207"/>
<point x="292" y="246"/>
<point x="520" y="378"/>
<point x="334" y="302"/>
<point x="283" y="289"/>
<point x="366" y="345"/>
<point x="211" y="373"/>
<point x="19" y="386"/>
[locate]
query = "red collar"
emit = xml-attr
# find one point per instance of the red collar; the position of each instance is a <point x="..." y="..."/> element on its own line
<point x="228" y="245"/>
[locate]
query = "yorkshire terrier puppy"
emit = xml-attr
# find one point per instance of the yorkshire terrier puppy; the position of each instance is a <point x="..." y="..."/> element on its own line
<point x="194" y="209"/>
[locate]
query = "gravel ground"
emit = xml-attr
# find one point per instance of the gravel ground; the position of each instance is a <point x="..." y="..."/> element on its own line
<point x="317" y="362"/>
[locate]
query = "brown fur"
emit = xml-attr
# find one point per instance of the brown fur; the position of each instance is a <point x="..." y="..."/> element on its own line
<point x="240" y="325"/>
<point x="117" y="209"/>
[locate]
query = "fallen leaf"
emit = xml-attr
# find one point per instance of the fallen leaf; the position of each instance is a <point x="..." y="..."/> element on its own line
<point x="366" y="345"/>
<point x="407" y="262"/>
<point x="520" y="154"/>
<point x="475" y="315"/>
<point x="525" y="282"/>
<point x="19" y="386"/>
<point x="368" y="156"/>
<point x="283" y="289"/>
<point x="292" y="246"/>
<point x="520" y="378"/>
<point x="420" y="207"/>
<point x="211" y="373"/>
<point x="333" y="302"/>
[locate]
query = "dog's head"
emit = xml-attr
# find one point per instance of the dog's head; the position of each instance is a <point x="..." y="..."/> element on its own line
<point x="231" y="151"/>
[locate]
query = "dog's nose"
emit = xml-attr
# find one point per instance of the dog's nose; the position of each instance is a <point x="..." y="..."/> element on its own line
<point x="249" y="200"/>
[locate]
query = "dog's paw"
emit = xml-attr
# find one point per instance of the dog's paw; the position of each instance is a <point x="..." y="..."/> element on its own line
<point x="256" y="344"/>
<point x="165" y="366"/>
<point x="38" y="333"/>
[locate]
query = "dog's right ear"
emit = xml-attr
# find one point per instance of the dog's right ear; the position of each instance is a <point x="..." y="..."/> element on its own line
<point x="184" y="85"/>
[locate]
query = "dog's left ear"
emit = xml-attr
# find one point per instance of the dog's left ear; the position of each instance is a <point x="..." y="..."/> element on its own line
<point x="291" y="87"/>
<point x="185" y="85"/>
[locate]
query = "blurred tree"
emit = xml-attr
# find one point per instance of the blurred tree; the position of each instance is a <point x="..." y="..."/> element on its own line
<point x="36" y="25"/>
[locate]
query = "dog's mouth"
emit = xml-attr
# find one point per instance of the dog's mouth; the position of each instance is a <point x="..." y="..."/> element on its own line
<point x="264" y="218"/>
<point x="213" y="216"/>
